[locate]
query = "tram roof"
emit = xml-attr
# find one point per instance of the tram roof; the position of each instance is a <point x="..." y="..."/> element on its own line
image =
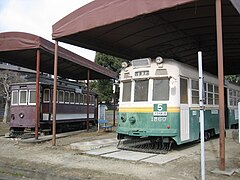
<point x="19" y="48"/>
<point x="148" y="28"/>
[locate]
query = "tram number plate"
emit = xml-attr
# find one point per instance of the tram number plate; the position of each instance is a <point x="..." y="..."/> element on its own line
<point x="159" y="113"/>
<point x="159" y="119"/>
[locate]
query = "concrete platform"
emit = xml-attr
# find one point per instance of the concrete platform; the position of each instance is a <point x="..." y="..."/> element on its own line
<point x="162" y="158"/>
<point x="96" y="144"/>
<point x="129" y="155"/>
<point x="102" y="151"/>
<point x="226" y="172"/>
<point x="108" y="148"/>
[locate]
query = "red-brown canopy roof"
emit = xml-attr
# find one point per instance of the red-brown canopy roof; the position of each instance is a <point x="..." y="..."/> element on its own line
<point x="150" y="28"/>
<point x="20" y="49"/>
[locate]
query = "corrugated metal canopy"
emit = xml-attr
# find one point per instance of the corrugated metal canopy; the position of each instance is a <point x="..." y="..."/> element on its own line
<point x="149" y="28"/>
<point x="20" y="49"/>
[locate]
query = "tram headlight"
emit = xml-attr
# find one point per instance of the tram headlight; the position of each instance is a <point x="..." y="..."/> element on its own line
<point x="124" y="64"/>
<point x="21" y="115"/>
<point x="132" y="120"/>
<point x="159" y="60"/>
<point x="124" y="117"/>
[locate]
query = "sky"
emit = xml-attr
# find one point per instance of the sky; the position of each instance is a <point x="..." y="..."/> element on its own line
<point x="38" y="16"/>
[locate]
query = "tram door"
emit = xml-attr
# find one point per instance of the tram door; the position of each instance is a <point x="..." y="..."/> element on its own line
<point x="184" y="110"/>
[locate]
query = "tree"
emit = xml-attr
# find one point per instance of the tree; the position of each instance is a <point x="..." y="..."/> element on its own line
<point x="233" y="78"/>
<point x="104" y="87"/>
<point x="7" y="78"/>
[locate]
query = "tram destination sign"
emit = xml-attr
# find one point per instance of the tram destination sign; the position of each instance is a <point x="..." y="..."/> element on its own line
<point x="160" y="110"/>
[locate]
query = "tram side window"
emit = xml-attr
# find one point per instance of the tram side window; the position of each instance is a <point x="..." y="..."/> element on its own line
<point x="66" y="97"/>
<point x="14" y="98"/>
<point x="72" y="97"/>
<point x="77" y="99"/>
<point x="127" y="88"/>
<point x="81" y="98"/>
<point x="195" y="92"/>
<point x="210" y="94"/>
<point x="61" y="96"/>
<point x="51" y="96"/>
<point x="32" y="97"/>
<point x="205" y="93"/>
<point x="46" y="95"/>
<point x="85" y="99"/>
<point x="141" y="90"/>
<point x="23" y="97"/>
<point x="235" y="98"/>
<point x="231" y="99"/>
<point x="238" y="96"/>
<point x="160" y="89"/>
<point x="216" y="98"/>
<point x="183" y="91"/>
<point x="92" y="100"/>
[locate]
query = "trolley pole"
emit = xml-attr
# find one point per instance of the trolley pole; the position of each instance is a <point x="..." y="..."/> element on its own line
<point x="201" y="113"/>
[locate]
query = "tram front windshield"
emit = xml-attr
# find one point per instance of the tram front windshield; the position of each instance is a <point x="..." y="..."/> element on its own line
<point x="141" y="90"/>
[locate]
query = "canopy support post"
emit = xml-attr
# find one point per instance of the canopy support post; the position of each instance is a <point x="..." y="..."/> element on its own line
<point x="220" y="84"/>
<point x="114" y="103"/>
<point x="37" y="93"/>
<point x="55" y="94"/>
<point x="88" y="95"/>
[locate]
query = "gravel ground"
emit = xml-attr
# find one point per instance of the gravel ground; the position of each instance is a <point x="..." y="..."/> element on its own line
<point x="44" y="161"/>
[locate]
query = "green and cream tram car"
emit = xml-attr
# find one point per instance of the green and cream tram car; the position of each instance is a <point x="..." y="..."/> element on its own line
<point x="159" y="100"/>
